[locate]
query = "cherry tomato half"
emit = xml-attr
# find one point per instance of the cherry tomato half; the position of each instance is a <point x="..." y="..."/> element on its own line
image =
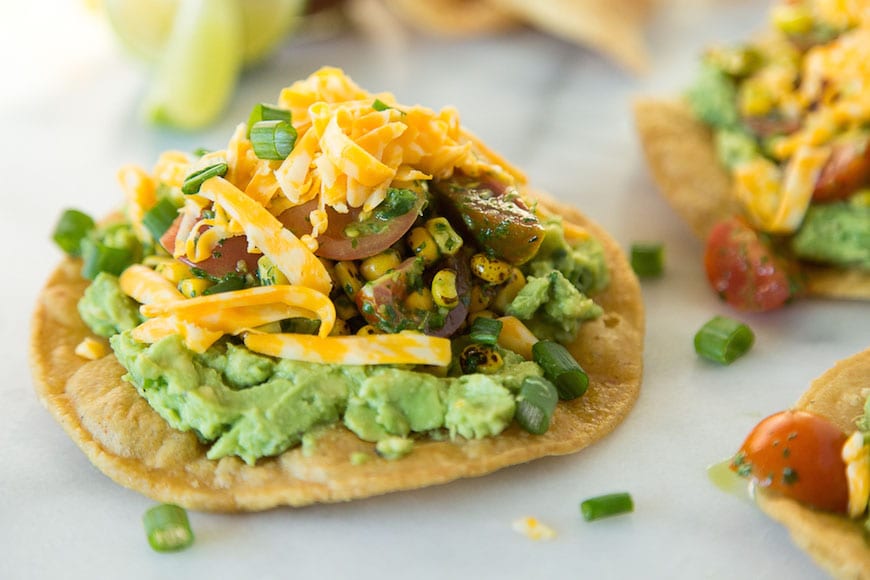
<point x="797" y="454"/>
<point x="846" y="171"/>
<point x="744" y="270"/>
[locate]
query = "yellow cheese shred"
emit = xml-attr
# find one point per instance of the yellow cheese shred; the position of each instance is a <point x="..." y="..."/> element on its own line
<point x="403" y="348"/>
<point x="145" y="286"/>
<point x="285" y="250"/>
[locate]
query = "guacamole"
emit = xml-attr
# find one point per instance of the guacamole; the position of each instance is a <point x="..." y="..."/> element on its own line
<point x="254" y="406"/>
<point x="106" y="309"/>
<point x="837" y="234"/>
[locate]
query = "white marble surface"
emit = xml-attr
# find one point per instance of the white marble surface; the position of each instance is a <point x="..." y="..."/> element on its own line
<point x="560" y="112"/>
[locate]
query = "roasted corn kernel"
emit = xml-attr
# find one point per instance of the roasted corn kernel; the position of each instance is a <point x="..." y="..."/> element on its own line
<point x="444" y="291"/>
<point x="480" y="358"/>
<point x="422" y="244"/>
<point x="445" y="237"/>
<point x="508" y="291"/>
<point x="420" y="299"/>
<point x="376" y="266"/>
<point x="792" y="18"/>
<point x="368" y="330"/>
<point x="480" y="297"/>
<point x="347" y="276"/>
<point x="268" y="273"/>
<point x="754" y="99"/>
<point x="192" y="287"/>
<point x="344" y="307"/>
<point x="340" y="328"/>
<point x="490" y="270"/>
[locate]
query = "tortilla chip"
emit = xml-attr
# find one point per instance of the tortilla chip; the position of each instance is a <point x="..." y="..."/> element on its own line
<point x="614" y="27"/>
<point x="835" y="542"/>
<point x="125" y="438"/>
<point x="682" y="159"/>
<point x="452" y="17"/>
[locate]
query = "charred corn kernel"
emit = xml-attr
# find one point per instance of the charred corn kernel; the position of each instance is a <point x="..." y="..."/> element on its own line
<point x="508" y="291"/>
<point x="347" y="276"/>
<point x="792" y="18"/>
<point x="480" y="298"/>
<point x="490" y="270"/>
<point x="92" y="349"/>
<point x="268" y="274"/>
<point x="444" y="288"/>
<point x="754" y="99"/>
<point x="368" y="330"/>
<point x="420" y="300"/>
<point x="421" y="242"/>
<point x="376" y="266"/>
<point x="192" y="287"/>
<point x="480" y="314"/>
<point x="516" y="336"/>
<point x="330" y="267"/>
<point x="344" y="307"/>
<point x="340" y="328"/>
<point x="480" y="358"/>
<point x="447" y="240"/>
<point x="174" y="271"/>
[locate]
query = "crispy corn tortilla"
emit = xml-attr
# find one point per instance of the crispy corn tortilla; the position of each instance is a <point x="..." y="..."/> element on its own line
<point x="835" y="542"/>
<point x="682" y="159"/>
<point x="614" y="27"/>
<point x="125" y="438"/>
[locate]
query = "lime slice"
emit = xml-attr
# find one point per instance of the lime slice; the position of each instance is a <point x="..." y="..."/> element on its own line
<point x="266" y="23"/>
<point x="143" y="26"/>
<point x="199" y="66"/>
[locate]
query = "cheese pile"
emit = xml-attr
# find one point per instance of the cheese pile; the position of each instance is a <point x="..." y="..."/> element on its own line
<point x="351" y="147"/>
<point x="828" y="89"/>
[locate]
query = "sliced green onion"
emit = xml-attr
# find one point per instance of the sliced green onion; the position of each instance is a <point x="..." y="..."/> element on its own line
<point x="200" y="151"/>
<point x="228" y="283"/>
<point x="561" y="369"/>
<point x="98" y="257"/>
<point x="647" y="260"/>
<point x="300" y="325"/>
<point x="167" y="528"/>
<point x="194" y="181"/>
<point x="723" y="340"/>
<point x="266" y="112"/>
<point x="379" y="105"/>
<point x="535" y="404"/>
<point x="273" y="139"/>
<point x="158" y="219"/>
<point x="71" y="229"/>
<point x="604" y="506"/>
<point x="485" y="330"/>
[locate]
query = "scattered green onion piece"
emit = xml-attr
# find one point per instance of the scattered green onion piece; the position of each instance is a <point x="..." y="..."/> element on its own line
<point x="71" y="229"/>
<point x="647" y="260"/>
<point x="266" y="112"/>
<point x="228" y="283"/>
<point x="379" y="105"/>
<point x="273" y="139"/>
<point x="200" y="151"/>
<point x="98" y="257"/>
<point x="167" y="528"/>
<point x="485" y="330"/>
<point x="194" y="181"/>
<point x="561" y="369"/>
<point x="535" y="404"/>
<point x="300" y="325"/>
<point x="723" y="340"/>
<point x="606" y="505"/>
<point x="158" y="219"/>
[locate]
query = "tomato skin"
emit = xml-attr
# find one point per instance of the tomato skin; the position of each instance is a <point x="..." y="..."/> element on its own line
<point x="744" y="270"/>
<point x="797" y="454"/>
<point x="846" y="171"/>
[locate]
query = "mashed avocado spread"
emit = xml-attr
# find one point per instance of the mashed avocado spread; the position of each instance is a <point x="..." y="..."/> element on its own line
<point x="253" y="406"/>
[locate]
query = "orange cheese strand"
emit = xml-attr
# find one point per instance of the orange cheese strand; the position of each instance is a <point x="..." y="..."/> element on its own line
<point x="207" y="310"/>
<point x="378" y="349"/>
<point x="196" y="338"/>
<point x="145" y="286"/>
<point x="286" y="251"/>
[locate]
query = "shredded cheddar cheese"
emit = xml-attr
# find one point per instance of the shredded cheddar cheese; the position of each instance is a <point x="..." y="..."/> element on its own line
<point x="92" y="349"/>
<point x="856" y="454"/>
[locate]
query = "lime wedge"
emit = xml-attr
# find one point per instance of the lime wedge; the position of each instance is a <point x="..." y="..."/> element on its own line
<point x="143" y="26"/>
<point x="200" y="64"/>
<point x="266" y="23"/>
